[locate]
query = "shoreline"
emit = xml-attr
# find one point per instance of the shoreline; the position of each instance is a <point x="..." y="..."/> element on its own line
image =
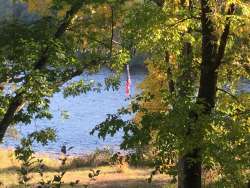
<point x="55" y="155"/>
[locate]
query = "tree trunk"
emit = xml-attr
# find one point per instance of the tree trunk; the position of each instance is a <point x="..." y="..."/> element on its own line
<point x="192" y="169"/>
<point x="192" y="161"/>
<point x="8" y="118"/>
<point x="185" y="83"/>
<point x="212" y="56"/>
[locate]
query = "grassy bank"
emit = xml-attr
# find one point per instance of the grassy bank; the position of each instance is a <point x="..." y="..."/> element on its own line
<point x="116" y="176"/>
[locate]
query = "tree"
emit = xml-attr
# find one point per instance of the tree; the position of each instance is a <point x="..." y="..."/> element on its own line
<point x="205" y="120"/>
<point x="38" y="56"/>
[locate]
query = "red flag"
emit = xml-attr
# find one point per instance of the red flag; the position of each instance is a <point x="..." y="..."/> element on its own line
<point x="128" y="82"/>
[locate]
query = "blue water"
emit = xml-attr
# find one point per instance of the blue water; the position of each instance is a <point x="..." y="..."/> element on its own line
<point x="85" y="111"/>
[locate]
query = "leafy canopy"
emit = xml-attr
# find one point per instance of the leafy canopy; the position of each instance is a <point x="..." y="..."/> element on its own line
<point x="164" y="118"/>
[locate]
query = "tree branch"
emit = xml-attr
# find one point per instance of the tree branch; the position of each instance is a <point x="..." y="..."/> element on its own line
<point x="19" y="99"/>
<point x="230" y="94"/>
<point x="60" y="31"/>
<point x="112" y="30"/>
<point x="223" y="39"/>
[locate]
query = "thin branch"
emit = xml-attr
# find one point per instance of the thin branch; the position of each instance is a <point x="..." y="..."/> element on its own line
<point x="112" y="30"/>
<point x="230" y="94"/>
<point x="178" y="22"/>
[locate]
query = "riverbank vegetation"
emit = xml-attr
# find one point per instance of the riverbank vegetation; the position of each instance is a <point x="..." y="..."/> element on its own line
<point x="190" y="119"/>
<point x="78" y="168"/>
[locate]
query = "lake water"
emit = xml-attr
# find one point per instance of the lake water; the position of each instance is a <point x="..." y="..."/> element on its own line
<point x="85" y="111"/>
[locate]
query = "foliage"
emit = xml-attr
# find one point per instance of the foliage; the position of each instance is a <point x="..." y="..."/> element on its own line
<point x="173" y="123"/>
<point x="198" y="54"/>
<point x="94" y="174"/>
<point x="61" y="41"/>
<point x="25" y="153"/>
<point x="30" y="163"/>
<point x="56" y="181"/>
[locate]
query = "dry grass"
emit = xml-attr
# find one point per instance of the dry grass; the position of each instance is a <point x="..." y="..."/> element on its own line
<point x="78" y="169"/>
